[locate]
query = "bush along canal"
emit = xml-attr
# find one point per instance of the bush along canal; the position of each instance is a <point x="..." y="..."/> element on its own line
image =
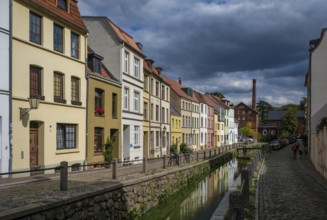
<point x="200" y="196"/>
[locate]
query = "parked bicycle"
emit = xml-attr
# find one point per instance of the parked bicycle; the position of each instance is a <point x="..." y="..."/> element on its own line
<point x="187" y="158"/>
<point x="173" y="160"/>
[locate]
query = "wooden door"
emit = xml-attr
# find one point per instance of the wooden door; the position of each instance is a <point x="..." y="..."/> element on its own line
<point x="34" y="162"/>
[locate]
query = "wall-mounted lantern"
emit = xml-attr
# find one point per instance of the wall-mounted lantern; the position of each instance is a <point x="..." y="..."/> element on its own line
<point x="34" y="104"/>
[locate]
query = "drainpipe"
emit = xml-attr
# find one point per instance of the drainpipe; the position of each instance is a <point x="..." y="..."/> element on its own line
<point x="10" y="86"/>
<point x="86" y="105"/>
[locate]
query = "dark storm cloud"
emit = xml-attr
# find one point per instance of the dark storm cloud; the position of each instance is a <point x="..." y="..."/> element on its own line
<point x="224" y="43"/>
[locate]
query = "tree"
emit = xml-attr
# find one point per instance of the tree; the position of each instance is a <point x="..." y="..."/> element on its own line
<point x="263" y="107"/>
<point x="289" y="122"/>
<point x="185" y="149"/>
<point x="219" y="94"/>
<point x="287" y="107"/>
<point x="302" y="104"/>
<point x="247" y="130"/>
<point x="107" y="153"/>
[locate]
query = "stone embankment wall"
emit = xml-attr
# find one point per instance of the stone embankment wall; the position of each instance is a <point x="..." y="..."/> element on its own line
<point x="124" y="200"/>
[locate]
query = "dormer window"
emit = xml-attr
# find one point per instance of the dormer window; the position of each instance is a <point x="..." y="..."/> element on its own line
<point x="62" y="4"/>
<point x="94" y="62"/>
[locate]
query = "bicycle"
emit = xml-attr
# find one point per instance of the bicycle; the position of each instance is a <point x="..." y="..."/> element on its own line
<point x="173" y="160"/>
<point x="187" y="158"/>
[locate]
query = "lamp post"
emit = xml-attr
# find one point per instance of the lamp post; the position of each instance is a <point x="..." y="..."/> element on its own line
<point x="193" y="137"/>
<point x="163" y="138"/>
<point x="34" y="104"/>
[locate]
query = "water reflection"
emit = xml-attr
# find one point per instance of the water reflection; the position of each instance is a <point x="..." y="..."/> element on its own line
<point x="203" y="200"/>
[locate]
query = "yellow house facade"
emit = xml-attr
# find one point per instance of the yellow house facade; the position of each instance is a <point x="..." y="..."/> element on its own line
<point x="49" y="52"/>
<point x="103" y="111"/>
<point x="146" y="112"/>
<point x="176" y="128"/>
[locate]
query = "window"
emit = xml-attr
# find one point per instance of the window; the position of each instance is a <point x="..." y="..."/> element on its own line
<point x="167" y="94"/>
<point x="74" y="44"/>
<point x="66" y="136"/>
<point x="146" y="78"/>
<point x="98" y="101"/>
<point x="163" y="92"/>
<point x="75" y="90"/>
<point x="157" y="112"/>
<point x="145" y="110"/>
<point x="137" y="135"/>
<point x="162" y="114"/>
<point x="126" y="61"/>
<point x="136" y="101"/>
<point x="114" y="105"/>
<point x="136" y="67"/>
<point x="58" y="86"/>
<point x="167" y="116"/>
<point x="157" y="138"/>
<point x="98" y="140"/>
<point x="157" y="88"/>
<point x="35" y="28"/>
<point x="62" y="4"/>
<point x="151" y="86"/>
<point x="35" y="81"/>
<point x="151" y="112"/>
<point x="58" y="38"/>
<point x="126" y="98"/>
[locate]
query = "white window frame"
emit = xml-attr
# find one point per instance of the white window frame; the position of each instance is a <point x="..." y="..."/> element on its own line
<point x="126" y="98"/>
<point x="136" y="67"/>
<point x="136" y="101"/>
<point x="126" y="62"/>
<point x="137" y="135"/>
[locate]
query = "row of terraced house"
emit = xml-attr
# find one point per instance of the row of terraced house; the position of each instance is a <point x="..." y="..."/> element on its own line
<point x="70" y="83"/>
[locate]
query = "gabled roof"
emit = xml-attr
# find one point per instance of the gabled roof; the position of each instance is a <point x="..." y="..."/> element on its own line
<point x="208" y="100"/>
<point x="105" y="73"/>
<point x="71" y="16"/>
<point x="277" y="115"/>
<point x="174" y="110"/>
<point x="123" y="36"/>
<point x="177" y="88"/>
<point x="242" y="103"/>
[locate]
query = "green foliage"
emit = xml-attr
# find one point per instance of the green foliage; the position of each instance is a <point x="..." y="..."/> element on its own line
<point x="288" y="107"/>
<point x="263" y="107"/>
<point x="289" y="121"/>
<point x="108" y="148"/>
<point x="185" y="149"/>
<point x="302" y="104"/>
<point x="174" y="149"/>
<point x="247" y="130"/>
<point x="219" y="94"/>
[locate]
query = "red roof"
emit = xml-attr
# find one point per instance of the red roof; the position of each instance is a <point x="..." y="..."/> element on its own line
<point x="123" y="36"/>
<point x="72" y="15"/>
<point x="177" y="88"/>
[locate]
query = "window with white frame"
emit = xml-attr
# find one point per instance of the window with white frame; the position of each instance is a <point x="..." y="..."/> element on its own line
<point x="126" y="98"/>
<point x="136" y="101"/>
<point x="136" y="135"/>
<point x="136" y="67"/>
<point x="126" y="61"/>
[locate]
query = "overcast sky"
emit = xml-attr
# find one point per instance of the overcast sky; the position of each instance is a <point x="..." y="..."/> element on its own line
<point x="221" y="45"/>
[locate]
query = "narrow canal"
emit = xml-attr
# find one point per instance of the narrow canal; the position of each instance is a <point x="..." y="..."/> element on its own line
<point x="201" y="201"/>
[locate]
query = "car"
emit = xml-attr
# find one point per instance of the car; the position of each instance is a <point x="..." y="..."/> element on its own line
<point x="275" y="145"/>
<point x="284" y="142"/>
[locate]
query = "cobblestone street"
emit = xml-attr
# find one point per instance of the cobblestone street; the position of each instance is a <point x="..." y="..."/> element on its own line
<point x="291" y="189"/>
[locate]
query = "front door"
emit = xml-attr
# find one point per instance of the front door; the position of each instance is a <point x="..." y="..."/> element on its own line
<point x="34" y="159"/>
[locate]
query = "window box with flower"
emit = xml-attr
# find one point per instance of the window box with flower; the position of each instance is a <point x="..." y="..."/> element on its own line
<point x="99" y="111"/>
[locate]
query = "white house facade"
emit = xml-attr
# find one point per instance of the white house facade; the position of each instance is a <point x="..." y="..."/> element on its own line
<point x="4" y="85"/>
<point x="203" y="125"/>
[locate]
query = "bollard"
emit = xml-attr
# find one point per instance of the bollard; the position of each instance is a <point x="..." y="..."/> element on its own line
<point x="197" y="156"/>
<point x="114" y="168"/>
<point x="215" y="151"/>
<point x="204" y="155"/>
<point x="164" y="161"/>
<point x="210" y="153"/>
<point x="145" y="164"/>
<point x="63" y="176"/>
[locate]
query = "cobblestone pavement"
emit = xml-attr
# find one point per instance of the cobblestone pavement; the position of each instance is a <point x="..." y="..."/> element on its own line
<point x="291" y="189"/>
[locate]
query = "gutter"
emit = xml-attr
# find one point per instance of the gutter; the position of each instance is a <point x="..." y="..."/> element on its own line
<point x="10" y="86"/>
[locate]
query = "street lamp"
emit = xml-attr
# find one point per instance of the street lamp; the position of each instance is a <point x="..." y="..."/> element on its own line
<point x="34" y="104"/>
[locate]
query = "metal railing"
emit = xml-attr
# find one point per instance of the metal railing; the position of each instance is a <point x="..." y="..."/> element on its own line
<point x="182" y="159"/>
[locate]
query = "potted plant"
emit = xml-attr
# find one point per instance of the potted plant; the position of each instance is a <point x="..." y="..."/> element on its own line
<point x="99" y="111"/>
<point x="107" y="152"/>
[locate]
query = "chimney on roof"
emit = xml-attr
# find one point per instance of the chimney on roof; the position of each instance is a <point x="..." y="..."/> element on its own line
<point x="140" y="46"/>
<point x="180" y="81"/>
<point x="149" y="62"/>
<point x="254" y="94"/>
<point x="159" y="70"/>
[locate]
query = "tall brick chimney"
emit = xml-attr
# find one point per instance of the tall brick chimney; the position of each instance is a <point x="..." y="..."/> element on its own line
<point x="254" y="94"/>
